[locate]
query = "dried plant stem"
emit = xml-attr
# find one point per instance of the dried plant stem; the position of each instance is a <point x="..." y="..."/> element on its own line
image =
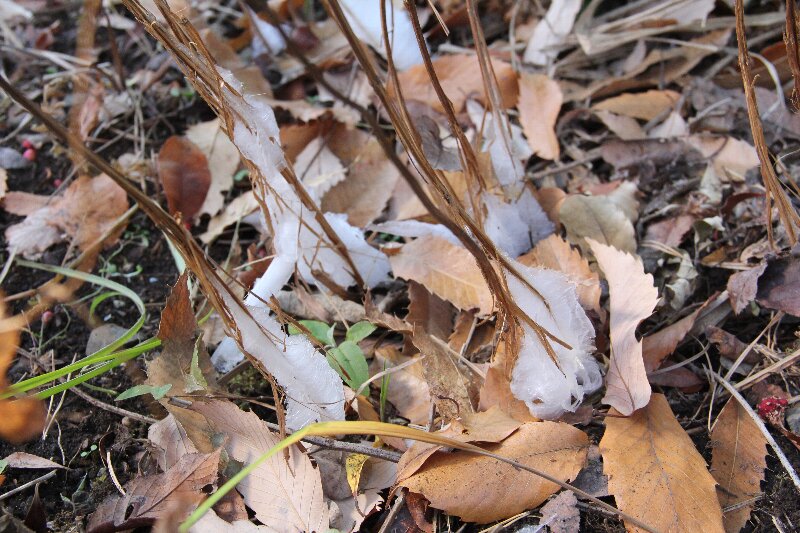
<point x="775" y="192"/>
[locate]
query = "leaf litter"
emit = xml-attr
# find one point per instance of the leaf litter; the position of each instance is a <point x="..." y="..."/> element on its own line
<point x="557" y="228"/>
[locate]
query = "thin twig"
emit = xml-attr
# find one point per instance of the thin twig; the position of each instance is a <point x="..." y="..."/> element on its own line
<point x="28" y="484"/>
<point x="739" y="398"/>
<point x="112" y="408"/>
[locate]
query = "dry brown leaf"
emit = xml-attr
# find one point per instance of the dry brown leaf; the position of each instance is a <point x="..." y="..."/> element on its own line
<point x="539" y="104"/>
<point x="743" y="287"/>
<point x="656" y="474"/>
<point x="670" y="231"/>
<point x="447" y="270"/>
<point x="626" y="128"/>
<point x="555" y="253"/>
<point x="23" y="419"/>
<point x="185" y="176"/>
<point x="452" y="384"/>
<point x="561" y="513"/>
<point x="236" y="210"/>
<point x="169" y="435"/>
<point x="482" y="489"/>
<point x="88" y="208"/>
<point x="598" y="218"/>
<point x="28" y="460"/>
<point x="318" y="168"/>
<point x="632" y="298"/>
<point x="148" y="498"/>
<point x="738" y="462"/>
<point x="460" y="77"/>
<point x="496" y="389"/>
<point x="408" y="391"/>
<point x="371" y="177"/>
<point x="285" y="496"/>
<point x="645" y="106"/>
<point x="429" y="314"/>
<point x="223" y="160"/>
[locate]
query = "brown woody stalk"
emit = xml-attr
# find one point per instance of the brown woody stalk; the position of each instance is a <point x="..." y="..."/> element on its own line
<point x="775" y="192"/>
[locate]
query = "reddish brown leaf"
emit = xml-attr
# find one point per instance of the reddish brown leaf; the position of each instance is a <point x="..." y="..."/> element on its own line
<point x="185" y="176"/>
<point x="743" y="286"/>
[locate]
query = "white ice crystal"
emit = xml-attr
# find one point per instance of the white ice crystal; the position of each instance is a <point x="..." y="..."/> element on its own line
<point x="536" y="379"/>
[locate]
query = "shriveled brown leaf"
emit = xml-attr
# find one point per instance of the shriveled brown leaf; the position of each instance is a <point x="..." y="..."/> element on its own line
<point x="286" y="496"/>
<point x="646" y="106"/>
<point x="452" y="384"/>
<point x="482" y="489"/>
<point x="738" y="461"/>
<point x="632" y="298"/>
<point x="743" y="287"/>
<point x="460" y="77"/>
<point x="539" y="104"/>
<point x="447" y="270"/>
<point x="147" y="498"/>
<point x="223" y="160"/>
<point x="185" y="176"/>
<point x="555" y="253"/>
<point x="779" y="286"/>
<point x="429" y="314"/>
<point x="597" y="218"/>
<point x="172" y="439"/>
<point x="87" y="210"/>
<point x="656" y="474"/>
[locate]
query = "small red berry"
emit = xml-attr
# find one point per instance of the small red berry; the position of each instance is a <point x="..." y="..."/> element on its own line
<point x="27" y="144"/>
<point x="772" y="408"/>
<point x="29" y="154"/>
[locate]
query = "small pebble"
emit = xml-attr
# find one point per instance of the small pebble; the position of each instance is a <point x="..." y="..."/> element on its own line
<point x="152" y="280"/>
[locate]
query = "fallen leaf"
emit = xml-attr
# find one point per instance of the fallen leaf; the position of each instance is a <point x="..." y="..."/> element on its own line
<point x="286" y="496"/>
<point x="743" y="287"/>
<point x="87" y="210"/>
<point x="223" y="160"/>
<point x="646" y="106"/>
<point x="626" y="128"/>
<point x="22" y="419"/>
<point x="597" y="218"/>
<point x="168" y="434"/>
<point x="452" y="384"/>
<point x="460" y="78"/>
<point x="632" y="298"/>
<point x="238" y="209"/>
<point x="729" y="346"/>
<point x="655" y="473"/>
<point x="371" y="177"/>
<point x="429" y="314"/>
<point x="779" y="286"/>
<point x="185" y="176"/>
<point x="28" y="460"/>
<point x="670" y="231"/>
<point x="147" y="498"/>
<point x="561" y="513"/>
<point x="481" y="489"/>
<point x="539" y="103"/>
<point x="3" y="182"/>
<point x="738" y="461"/>
<point x="551" y="32"/>
<point x="555" y="253"/>
<point x="318" y="168"/>
<point x="408" y="391"/>
<point x="447" y="270"/>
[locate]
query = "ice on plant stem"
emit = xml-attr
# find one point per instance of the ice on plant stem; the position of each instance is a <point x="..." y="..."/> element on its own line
<point x="547" y="391"/>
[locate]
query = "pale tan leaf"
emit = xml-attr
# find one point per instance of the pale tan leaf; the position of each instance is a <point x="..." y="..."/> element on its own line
<point x="318" y="168"/>
<point x="656" y="474"/>
<point x="408" y="391"/>
<point x="285" y="496"/>
<point x="540" y="101"/>
<point x="88" y="208"/>
<point x="597" y="218"/>
<point x="371" y="177"/>
<point x="561" y="513"/>
<point x="738" y="462"/>
<point x="556" y="254"/>
<point x="482" y="489"/>
<point x="447" y="270"/>
<point x="236" y="210"/>
<point x="223" y="160"/>
<point x="28" y="460"/>
<point x="460" y="77"/>
<point x="626" y="128"/>
<point x="169" y="435"/>
<point x="632" y="299"/>
<point x="646" y="106"/>
<point x="551" y="32"/>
